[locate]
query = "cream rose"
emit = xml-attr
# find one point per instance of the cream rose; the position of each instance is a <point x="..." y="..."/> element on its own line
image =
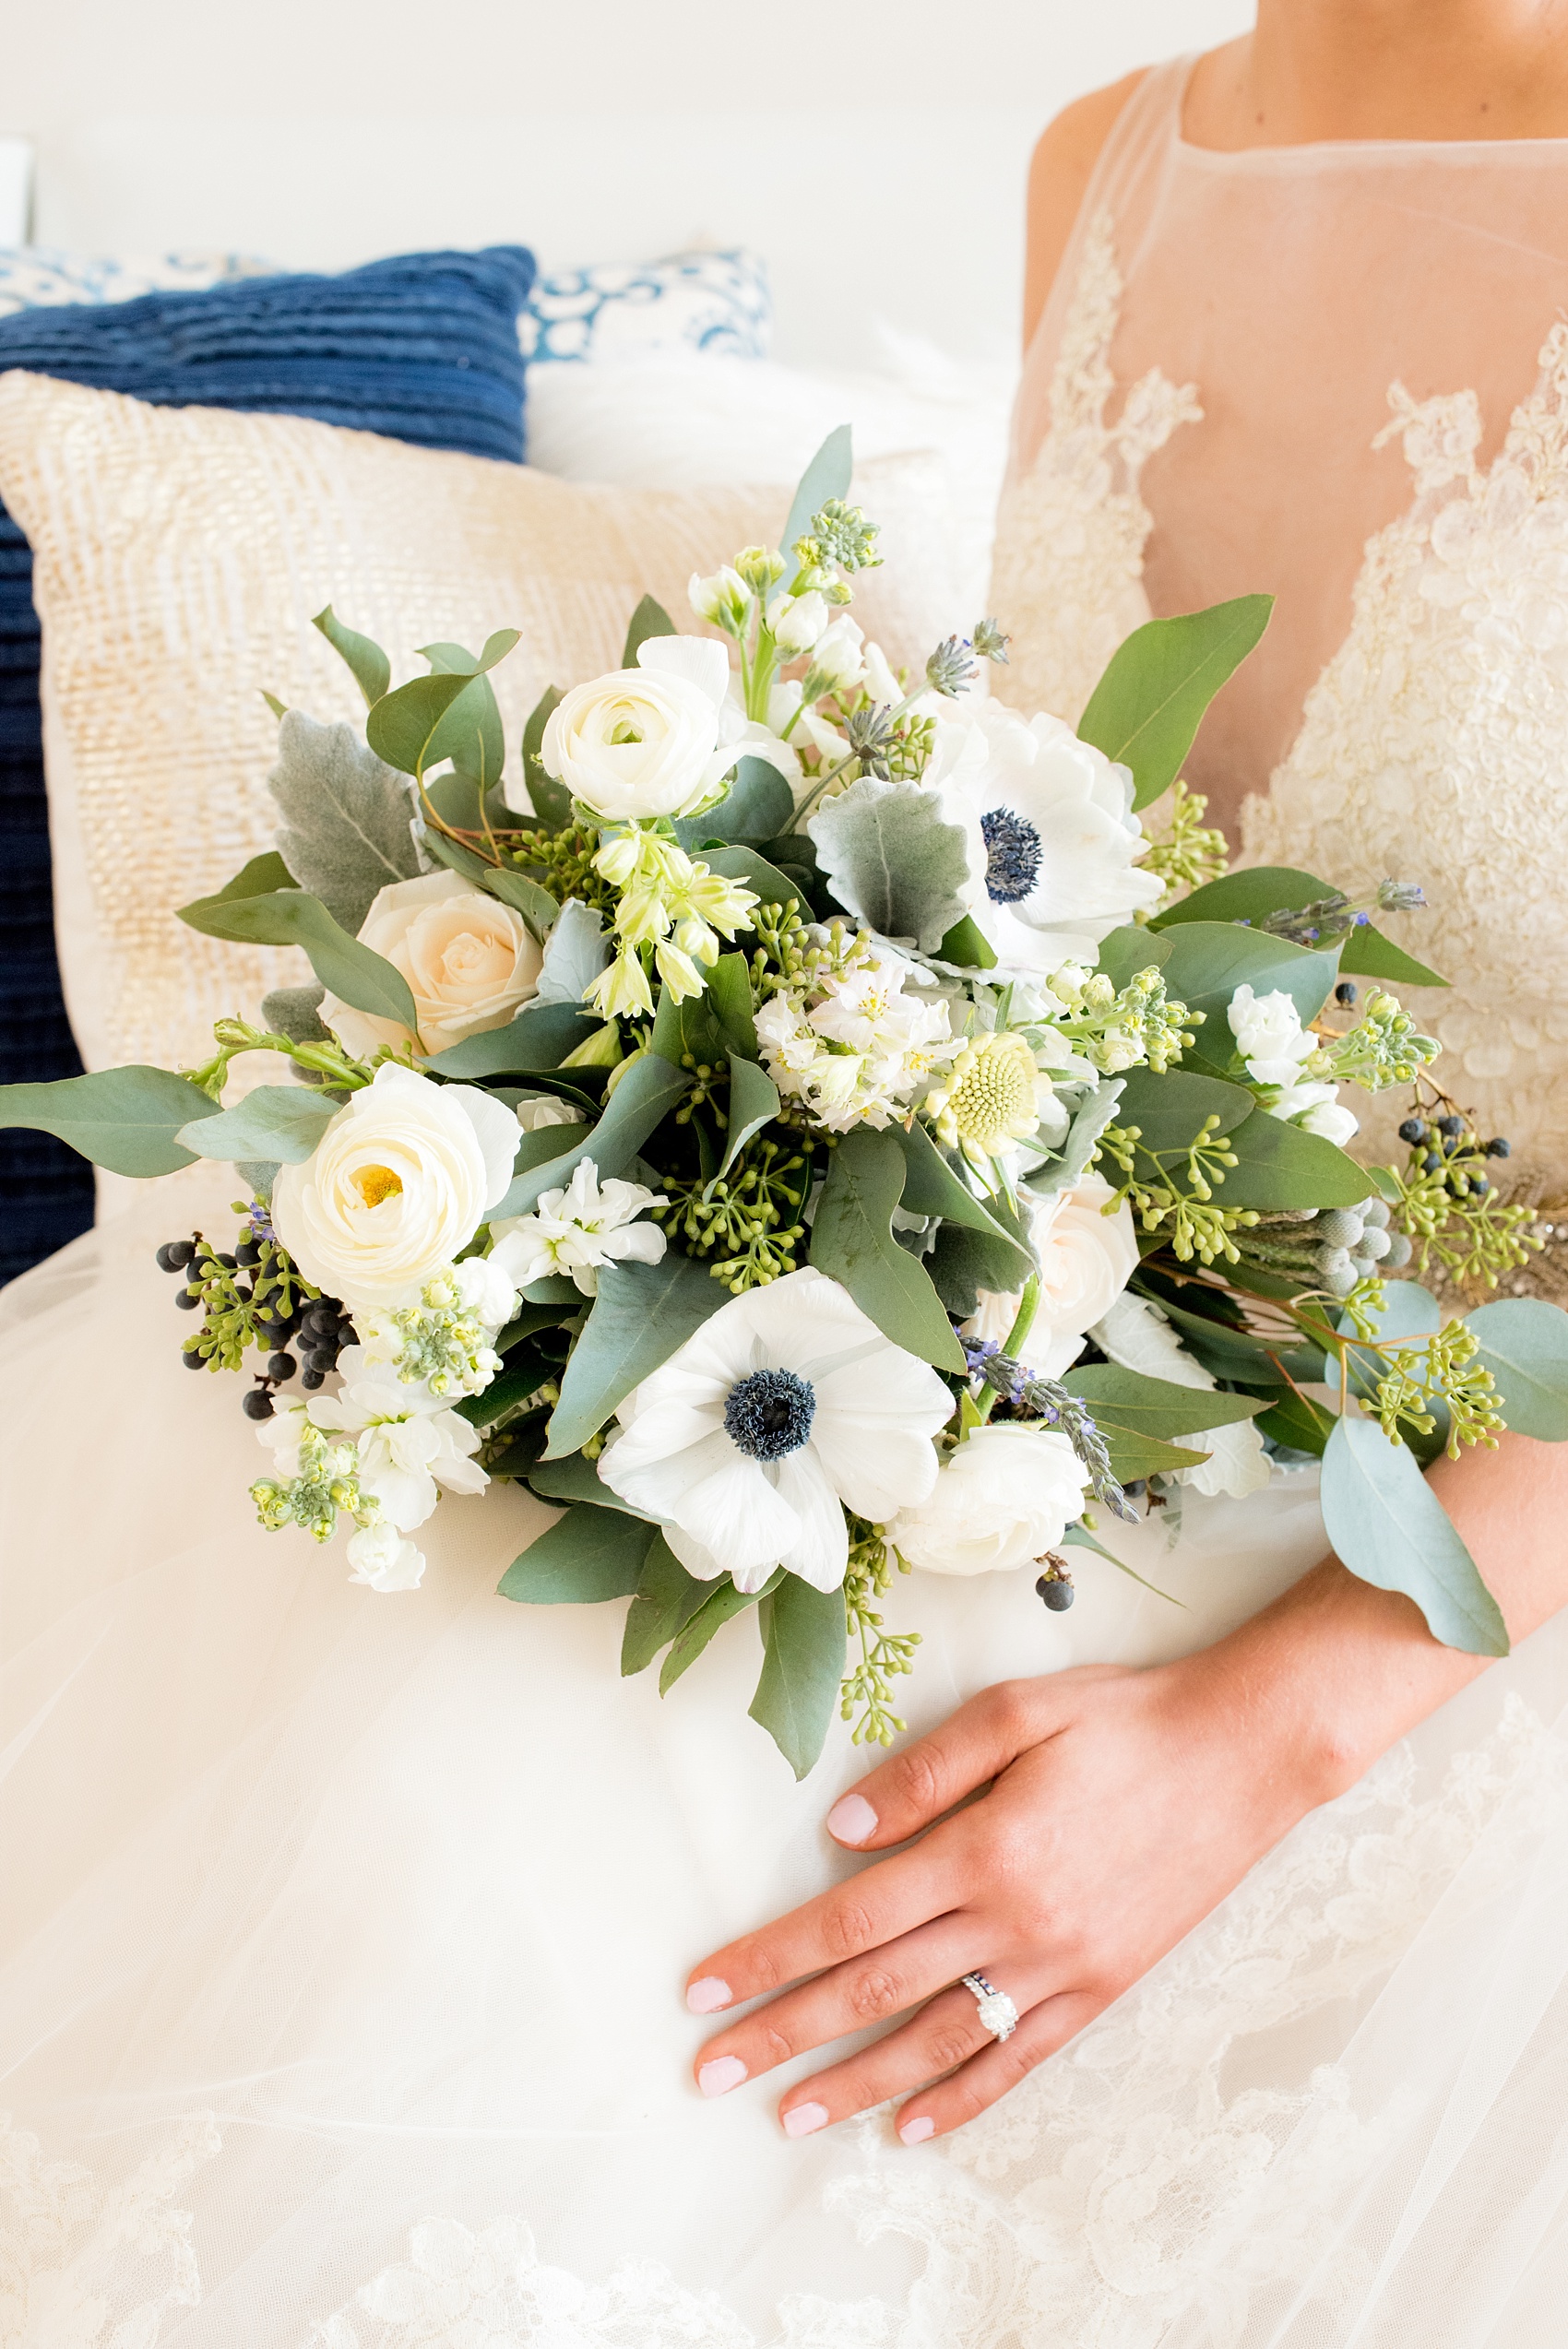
<point x="469" y="961"/>
<point x="1087" y="1258"/>
<point x="1003" y="1499"/>
<point x="644" y="742"/>
<point x="400" y="1181"/>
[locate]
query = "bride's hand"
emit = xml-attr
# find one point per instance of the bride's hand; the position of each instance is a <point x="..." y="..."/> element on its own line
<point x="1121" y="1805"/>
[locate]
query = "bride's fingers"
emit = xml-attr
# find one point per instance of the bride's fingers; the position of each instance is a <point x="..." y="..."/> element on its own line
<point x="943" y="2035"/>
<point x="998" y="2067"/>
<point x="917" y="1786"/>
<point x="873" y="1907"/>
<point x="895" y="1976"/>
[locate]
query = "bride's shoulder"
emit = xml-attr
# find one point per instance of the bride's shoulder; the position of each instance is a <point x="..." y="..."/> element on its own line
<point x="1064" y="157"/>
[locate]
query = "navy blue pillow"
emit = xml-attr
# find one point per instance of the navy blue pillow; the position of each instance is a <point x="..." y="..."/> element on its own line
<point x="422" y="348"/>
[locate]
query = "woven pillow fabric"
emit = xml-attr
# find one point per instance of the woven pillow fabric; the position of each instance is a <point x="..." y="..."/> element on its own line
<point x="423" y="347"/>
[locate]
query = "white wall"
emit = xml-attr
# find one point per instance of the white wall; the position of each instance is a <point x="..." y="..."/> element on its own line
<point x="874" y="149"/>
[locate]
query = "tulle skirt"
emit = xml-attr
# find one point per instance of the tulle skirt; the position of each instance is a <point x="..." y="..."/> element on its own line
<point x="345" y="1934"/>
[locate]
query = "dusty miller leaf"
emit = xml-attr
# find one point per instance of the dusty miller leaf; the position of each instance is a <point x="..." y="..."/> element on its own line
<point x="892" y="857"/>
<point x="346" y="816"/>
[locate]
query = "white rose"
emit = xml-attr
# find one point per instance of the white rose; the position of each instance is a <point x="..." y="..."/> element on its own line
<point x="398" y="1185"/>
<point x="798" y="620"/>
<point x="1087" y="1258"/>
<point x="644" y="742"/>
<point x="469" y="961"/>
<point x="1137" y="1335"/>
<point x="1005" y="1496"/>
<point x="1269" y="1034"/>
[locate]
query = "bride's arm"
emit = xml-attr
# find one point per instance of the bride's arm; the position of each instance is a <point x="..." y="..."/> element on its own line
<point x="1064" y="162"/>
<point x="1120" y="1808"/>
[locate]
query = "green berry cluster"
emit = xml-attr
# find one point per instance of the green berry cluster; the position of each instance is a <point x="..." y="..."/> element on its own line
<point x="751" y="1215"/>
<point x="1441" y="1367"/>
<point x="1186" y="855"/>
<point x="327" y="1482"/>
<point x="884" y="1656"/>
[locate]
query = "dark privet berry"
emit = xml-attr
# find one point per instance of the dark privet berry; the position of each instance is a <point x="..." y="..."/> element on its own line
<point x="281" y="1367"/>
<point x="187" y="1299"/>
<point x="248" y="1254"/>
<point x="228" y="1263"/>
<point x="1414" y="1130"/>
<point x="257" y="1404"/>
<point x="166" y="1260"/>
<point x="1498" y="1147"/>
<point x="313" y="1378"/>
<point x="1450" y="1125"/>
<point x="1432" y="1161"/>
<point x="193" y="1360"/>
<point x="1057" y="1592"/>
<point x="1479" y="1186"/>
<point x="1344" y="993"/>
<point x="1135" y="1490"/>
<point x="321" y="1358"/>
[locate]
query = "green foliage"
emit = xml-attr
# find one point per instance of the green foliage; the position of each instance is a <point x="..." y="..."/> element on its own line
<point x="965" y="1260"/>
<point x="577" y="1479"/>
<point x="646" y="1094"/>
<point x="667" y="1598"/>
<point x="552" y="800"/>
<point x="931" y="1187"/>
<point x="804" y="1641"/>
<point x="1523" y="1342"/>
<point x="346" y="816"/>
<point x="642" y="1314"/>
<point x="574" y="953"/>
<point x="538" y="1040"/>
<point x="1127" y="1403"/>
<point x="373" y="670"/>
<point x="1148" y="706"/>
<point x="278" y="1121"/>
<point x="729" y="994"/>
<point x="892" y="859"/>
<point x="588" y="1554"/>
<point x="1186" y="855"/>
<point x="754" y="872"/>
<point x="852" y="1241"/>
<point x="1387" y="1525"/>
<point x="1078" y="1150"/>
<point x="283" y="915"/>
<point x="408" y="729"/>
<point x="753" y="1101"/>
<point x="469" y="734"/>
<point x="747" y="1220"/>
<point x="648" y="620"/>
<point x="1261" y="890"/>
<point x="231" y="1300"/>
<point x="757" y="806"/>
<point x="538" y="908"/>
<point x="967" y="946"/>
<point x="828" y="476"/>
<point x="128" y="1120"/>
<point x="721" y="1606"/>
<point x="1202" y="962"/>
<point x="884" y="1656"/>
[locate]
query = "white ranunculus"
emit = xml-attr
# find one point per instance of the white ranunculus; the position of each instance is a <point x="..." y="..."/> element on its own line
<point x="470" y="962"/>
<point x="1005" y="1496"/>
<point x="786" y="1407"/>
<point x="1137" y="1335"/>
<point x="396" y="1188"/>
<point x="1054" y="842"/>
<point x="1269" y="1034"/>
<point x="1087" y="1258"/>
<point x="798" y="620"/>
<point x="644" y="742"/>
<point x="382" y="1559"/>
<point x="408" y="1441"/>
<point x="576" y="1229"/>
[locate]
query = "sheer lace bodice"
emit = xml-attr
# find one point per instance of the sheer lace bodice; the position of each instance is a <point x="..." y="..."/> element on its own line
<point x="1336" y="373"/>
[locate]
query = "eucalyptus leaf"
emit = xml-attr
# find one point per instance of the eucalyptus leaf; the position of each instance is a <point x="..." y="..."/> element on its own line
<point x="292" y="917"/>
<point x="722" y="1604"/>
<point x="730" y="992"/>
<point x="852" y="1242"/>
<point x="280" y="1121"/>
<point x="1205" y="962"/>
<point x="373" y="670"/>
<point x="666" y="1599"/>
<point x="1265" y="889"/>
<point x="552" y="800"/>
<point x="828" y="476"/>
<point x="642" y="1315"/>
<point x="128" y="1120"/>
<point x="576" y="1479"/>
<point x="893" y="859"/>
<point x="1147" y="708"/>
<point x="802" y="1667"/>
<point x="1156" y="1408"/>
<point x="757" y="806"/>
<point x="574" y="953"/>
<point x="1387" y="1525"/>
<point x="1079" y="1537"/>
<point x="1279" y="1165"/>
<point x="931" y="1187"/>
<point x="588" y="1554"/>
<point x="648" y="620"/>
<point x="538" y="907"/>
<point x="753" y="1099"/>
<point x="1135" y="1456"/>
<point x="967" y="947"/>
<point x="405" y="727"/>
<point x="538" y="1040"/>
<point x="644" y="1098"/>
<point x="346" y="816"/>
<point x="746" y="865"/>
<point x="1297" y="1422"/>
<point x="526" y="1370"/>
<point x="1525" y="1345"/>
<point x="469" y="734"/>
<point x="688" y="1024"/>
<point x="964" y="1260"/>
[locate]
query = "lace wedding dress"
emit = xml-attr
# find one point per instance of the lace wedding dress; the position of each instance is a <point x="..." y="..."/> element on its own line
<point x="339" y="1999"/>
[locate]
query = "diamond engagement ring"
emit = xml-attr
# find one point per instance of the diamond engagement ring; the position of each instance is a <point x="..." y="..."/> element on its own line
<point x="997" y="2013"/>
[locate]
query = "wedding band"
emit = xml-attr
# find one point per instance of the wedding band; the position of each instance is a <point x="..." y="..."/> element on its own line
<point x="995" y="2009"/>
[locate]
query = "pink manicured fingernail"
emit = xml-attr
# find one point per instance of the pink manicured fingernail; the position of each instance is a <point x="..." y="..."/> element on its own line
<point x="717" y="2078"/>
<point x="852" y="1819"/>
<point x="800" y="2120"/>
<point x="708" y="1995"/>
<point x="916" y="2131"/>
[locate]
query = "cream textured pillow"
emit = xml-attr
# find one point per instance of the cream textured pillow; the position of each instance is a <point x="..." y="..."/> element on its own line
<point x="178" y="554"/>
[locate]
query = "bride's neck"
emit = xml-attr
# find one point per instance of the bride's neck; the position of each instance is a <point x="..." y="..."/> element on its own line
<point x="1436" y="69"/>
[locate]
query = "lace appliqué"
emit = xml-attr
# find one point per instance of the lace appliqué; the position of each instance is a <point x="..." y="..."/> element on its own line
<point x="1431" y="749"/>
<point x="1071" y="537"/>
<point x="85" y="2267"/>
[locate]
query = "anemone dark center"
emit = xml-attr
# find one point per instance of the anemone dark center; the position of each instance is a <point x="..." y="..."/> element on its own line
<point x="770" y="1413"/>
<point x="1011" y="855"/>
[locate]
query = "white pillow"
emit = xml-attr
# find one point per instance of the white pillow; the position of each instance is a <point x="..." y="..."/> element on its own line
<point x="699" y="300"/>
<point x="179" y="553"/>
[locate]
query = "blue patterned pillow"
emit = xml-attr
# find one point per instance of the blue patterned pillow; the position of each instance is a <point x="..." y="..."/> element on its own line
<point x="716" y="302"/>
<point x="37" y="277"/>
<point x="424" y="348"/>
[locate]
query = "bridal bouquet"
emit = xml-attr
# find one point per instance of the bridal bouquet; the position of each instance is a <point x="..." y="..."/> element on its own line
<point x="795" y="1121"/>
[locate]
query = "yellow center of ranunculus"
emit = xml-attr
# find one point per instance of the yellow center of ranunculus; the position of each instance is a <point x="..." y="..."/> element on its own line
<point x="376" y="1183"/>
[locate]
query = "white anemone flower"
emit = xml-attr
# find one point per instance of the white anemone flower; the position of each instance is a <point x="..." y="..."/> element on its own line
<point x="1054" y="842"/>
<point x="408" y="1441"/>
<point x="786" y="1407"/>
<point x="576" y="1229"/>
<point x="1137" y="1335"/>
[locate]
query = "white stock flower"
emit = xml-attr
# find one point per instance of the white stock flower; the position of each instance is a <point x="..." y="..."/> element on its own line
<point x="1275" y="1048"/>
<point x="723" y="599"/>
<point x="397" y="1186"/>
<point x="858" y="1054"/>
<point x="1054" y="842"/>
<point x="798" y="622"/>
<point x="381" y="1558"/>
<point x="470" y="962"/>
<point x="408" y="1441"/>
<point x="578" y="1229"/>
<point x="838" y="658"/>
<point x="1087" y="1258"/>
<point x="1002" y="1500"/>
<point x="786" y="1407"/>
<point x="644" y="742"/>
<point x="1137" y="1335"/>
<point x="486" y="1289"/>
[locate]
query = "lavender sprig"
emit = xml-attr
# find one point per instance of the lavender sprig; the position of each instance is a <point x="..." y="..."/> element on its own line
<point x="1024" y="1388"/>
